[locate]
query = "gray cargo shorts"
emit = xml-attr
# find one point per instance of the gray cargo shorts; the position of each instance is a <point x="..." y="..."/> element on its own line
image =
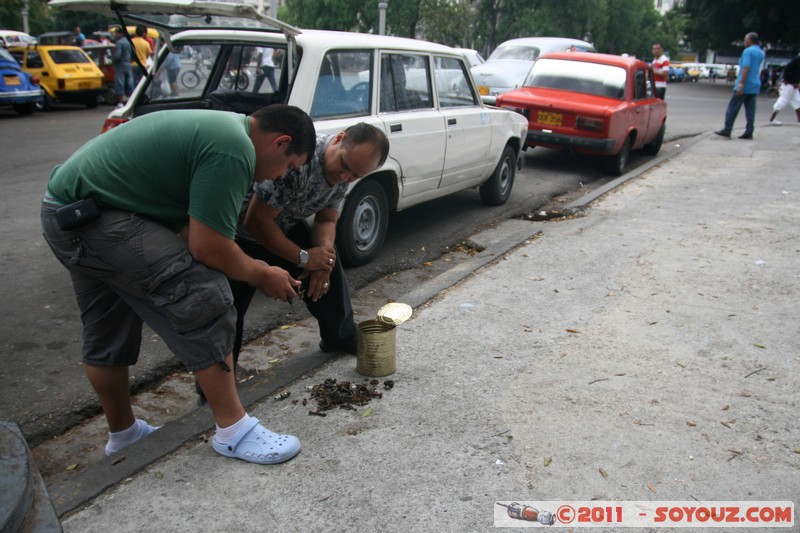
<point x="127" y="269"/>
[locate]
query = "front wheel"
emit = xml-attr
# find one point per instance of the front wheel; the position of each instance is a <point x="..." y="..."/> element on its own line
<point x="497" y="188"/>
<point x="46" y="103"/>
<point x="362" y="227"/>
<point x="615" y="164"/>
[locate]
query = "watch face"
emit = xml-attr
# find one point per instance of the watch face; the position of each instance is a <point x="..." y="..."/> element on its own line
<point x="303" y="257"/>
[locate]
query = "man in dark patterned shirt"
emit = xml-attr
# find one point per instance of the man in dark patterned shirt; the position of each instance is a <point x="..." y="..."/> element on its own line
<point x="273" y="228"/>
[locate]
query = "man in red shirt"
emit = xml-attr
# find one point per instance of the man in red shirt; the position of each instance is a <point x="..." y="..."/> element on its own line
<point x="660" y="70"/>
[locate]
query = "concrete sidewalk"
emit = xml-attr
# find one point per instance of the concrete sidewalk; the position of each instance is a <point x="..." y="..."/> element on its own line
<point x="653" y="336"/>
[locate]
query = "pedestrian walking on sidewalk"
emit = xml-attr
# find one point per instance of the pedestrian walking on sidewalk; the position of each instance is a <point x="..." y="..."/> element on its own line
<point x="746" y="89"/>
<point x="152" y="240"/>
<point x="273" y="228"/>
<point x="789" y="91"/>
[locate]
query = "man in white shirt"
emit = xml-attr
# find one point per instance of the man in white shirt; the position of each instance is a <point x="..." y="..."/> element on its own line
<point x="660" y="70"/>
<point x="266" y="65"/>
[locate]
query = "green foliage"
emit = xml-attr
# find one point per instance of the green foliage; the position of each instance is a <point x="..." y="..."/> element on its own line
<point x="43" y="19"/>
<point x="721" y="24"/>
<point x="11" y="16"/>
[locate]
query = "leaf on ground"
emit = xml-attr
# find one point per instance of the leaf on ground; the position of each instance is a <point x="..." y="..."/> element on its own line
<point x="603" y="472"/>
<point x="549" y="459"/>
<point x="797" y="450"/>
<point x="274" y="361"/>
<point x="428" y="263"/>
<point x="367" y="412"/>
<point x="725" y="407"/>
<point x="159" y="475"/>
<point x="72" y="467"/>
<point x="287" y="326"/>
<point x="690" y="423"/>
<point x="572" y="330"/>
<point x="680" y="364"/>
<point x="760" y="346"/>
<point x="652" y="488"/>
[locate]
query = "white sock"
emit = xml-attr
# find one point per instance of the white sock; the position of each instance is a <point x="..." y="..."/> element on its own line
<point x="224" y="435"/>
<point x="126" y="437"/>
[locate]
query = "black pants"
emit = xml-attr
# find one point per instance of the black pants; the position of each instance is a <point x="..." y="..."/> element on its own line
<point x="334" y="311"/>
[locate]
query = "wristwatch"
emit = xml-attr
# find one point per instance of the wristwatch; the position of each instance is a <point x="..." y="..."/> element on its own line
<point x="303" y="258"/>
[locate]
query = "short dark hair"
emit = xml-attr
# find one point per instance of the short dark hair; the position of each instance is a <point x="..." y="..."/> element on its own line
<point x="292" y="121"/>
<point x="367" y="133"/>
<point x="753" y="36"/>
<point x="141" y="31"/>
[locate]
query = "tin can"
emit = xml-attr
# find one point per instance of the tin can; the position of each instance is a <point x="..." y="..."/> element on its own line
<point x="376" y="345"/>
<point x="376" y="349"/>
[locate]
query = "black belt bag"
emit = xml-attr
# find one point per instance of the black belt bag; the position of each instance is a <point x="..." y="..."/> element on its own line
<point x="77" y="214"/>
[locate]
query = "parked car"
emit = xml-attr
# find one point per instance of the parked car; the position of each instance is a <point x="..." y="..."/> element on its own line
<point x="102" y="54"/>
<point x="589" y="103"/>
<point x="66" y="73"/>
<point x="474" y="58"/>
<point x="443" y="139"/>
<point x="9" y="38"/>
<point x="17" y="88"/>
<point x="676" y="74"/>
<point x="510" y="63"/>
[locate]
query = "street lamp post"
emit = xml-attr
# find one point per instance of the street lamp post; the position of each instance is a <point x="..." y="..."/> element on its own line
<point x="25" y="17"/>
<point x="382" y="17"/>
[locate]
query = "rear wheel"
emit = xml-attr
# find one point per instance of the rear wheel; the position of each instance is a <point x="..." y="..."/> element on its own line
<point x="362" y="227"/>
<point x="190" y="79"/>
<point x="91" y="102"/>
<point x="654" y="147"/>
<point x="497" y="189"/>
<point x="25" y="109"/>
<point x="615" y="164"/>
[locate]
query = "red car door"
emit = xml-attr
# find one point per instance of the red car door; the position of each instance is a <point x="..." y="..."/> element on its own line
<point x="642" y="106"/>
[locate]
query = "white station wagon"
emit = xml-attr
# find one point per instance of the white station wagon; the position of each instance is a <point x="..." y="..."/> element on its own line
<point x="421" y="94"/>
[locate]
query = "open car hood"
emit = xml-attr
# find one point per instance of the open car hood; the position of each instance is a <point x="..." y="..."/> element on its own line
<point x="172" y="16"/>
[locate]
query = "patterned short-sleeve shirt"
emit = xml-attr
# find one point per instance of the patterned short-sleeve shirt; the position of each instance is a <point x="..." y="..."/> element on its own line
<point x="301" y="194"/>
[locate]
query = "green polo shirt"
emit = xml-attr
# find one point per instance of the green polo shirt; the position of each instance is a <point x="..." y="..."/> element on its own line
<point x="167" y="165"/>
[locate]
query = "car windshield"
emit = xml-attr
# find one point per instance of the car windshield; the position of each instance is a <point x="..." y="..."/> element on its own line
<point x="516" y="51"/>
<point x="61" y="57"/>
<point x="578" y="76"/>
<point x="5" y="56"/>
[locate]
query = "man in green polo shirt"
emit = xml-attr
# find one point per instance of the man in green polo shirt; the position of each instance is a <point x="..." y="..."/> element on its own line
<point x="144" y="218"/>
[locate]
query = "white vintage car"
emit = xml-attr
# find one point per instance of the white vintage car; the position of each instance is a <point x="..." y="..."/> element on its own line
<point x="443" y="138"/>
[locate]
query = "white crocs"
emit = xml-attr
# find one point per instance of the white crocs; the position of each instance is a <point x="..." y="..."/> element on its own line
<point x="256" y="444"/>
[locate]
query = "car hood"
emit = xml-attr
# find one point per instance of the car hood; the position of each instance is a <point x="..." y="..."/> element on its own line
<point x="501" y="73"/>
<point x="172" y="16"/>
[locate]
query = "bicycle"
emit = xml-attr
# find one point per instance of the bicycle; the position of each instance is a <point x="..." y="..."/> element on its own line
<point x="192" y="78"/>
<point x="240" y="77"/>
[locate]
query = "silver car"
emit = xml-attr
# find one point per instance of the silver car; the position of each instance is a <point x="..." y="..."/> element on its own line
<point x="510" y="63"/>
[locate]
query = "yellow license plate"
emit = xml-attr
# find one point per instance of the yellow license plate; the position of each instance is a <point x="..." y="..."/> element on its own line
<point x="483" y="90"/>
<point x="12" y="80"/>
<point x="549" y="118"/>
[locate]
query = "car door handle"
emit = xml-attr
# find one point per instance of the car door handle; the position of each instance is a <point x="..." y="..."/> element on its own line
<point x="394" y="128"/>
<point x="451" y="122"/>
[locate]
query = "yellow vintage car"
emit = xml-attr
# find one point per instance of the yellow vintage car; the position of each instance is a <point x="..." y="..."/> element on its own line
<point x="66" y="73"/>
